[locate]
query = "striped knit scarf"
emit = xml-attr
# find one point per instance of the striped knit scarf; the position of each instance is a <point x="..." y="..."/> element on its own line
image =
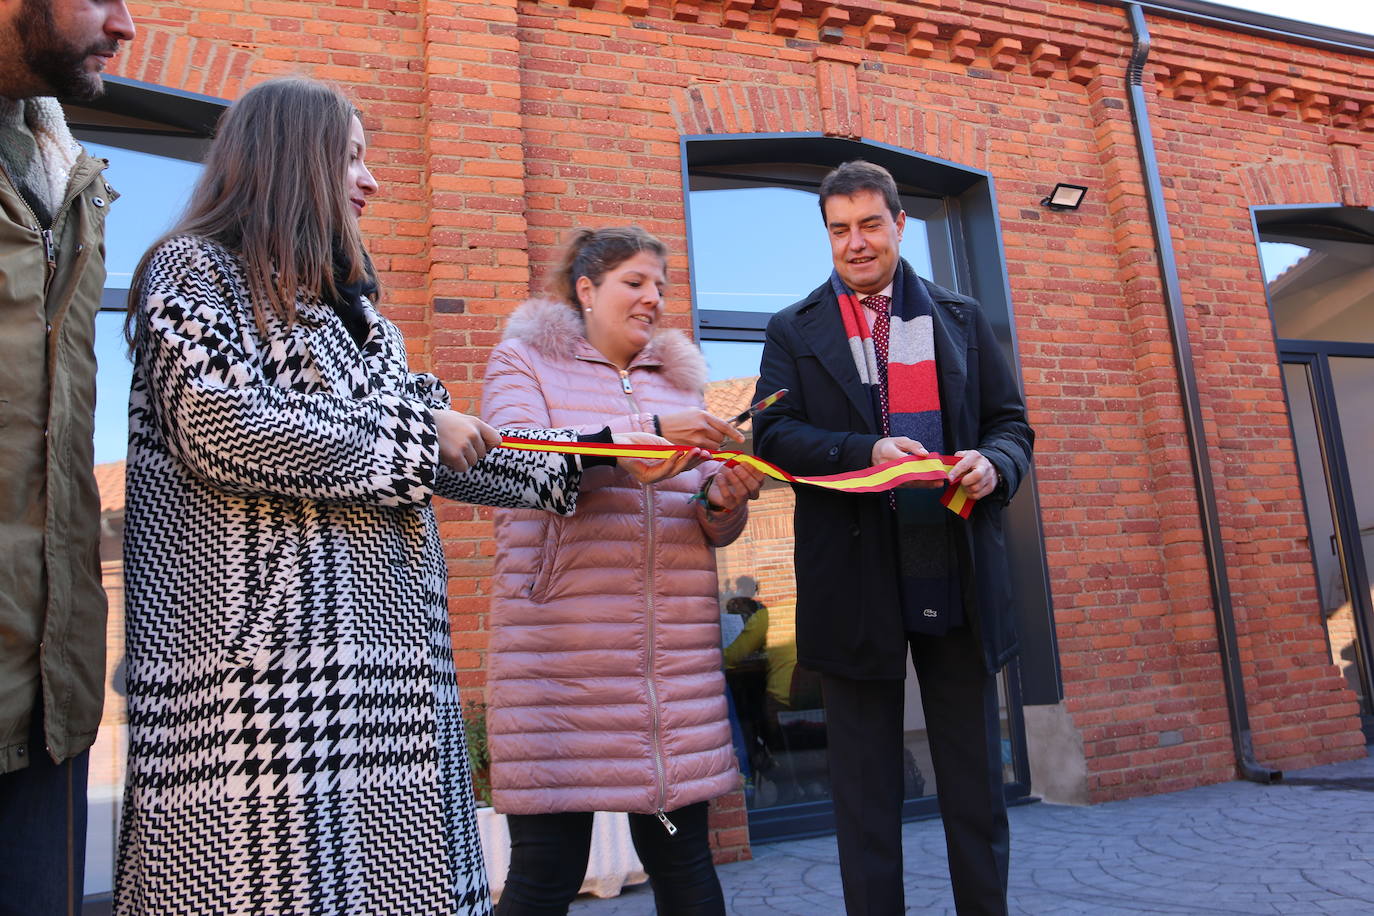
<point x="905" y="394"/>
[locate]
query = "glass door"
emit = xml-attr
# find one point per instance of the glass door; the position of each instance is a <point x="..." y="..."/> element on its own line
<point x="1331" y="403"/>
<point x="741" y="275"/>
<point x="1352" y="386"/>
<point x="1319" y="272"/>
<point x="153" y="167"/>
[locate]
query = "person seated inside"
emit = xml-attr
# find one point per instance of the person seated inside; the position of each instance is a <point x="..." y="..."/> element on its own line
<point x="772" y="733"/>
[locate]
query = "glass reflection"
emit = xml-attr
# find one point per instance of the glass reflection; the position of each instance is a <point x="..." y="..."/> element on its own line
<point x="734" y="361"/>
<point x="1333" y="579"/>
<point x="1320" y="289"/>
<point x="778" y="721"/>
<point x="777" y="713"/>
<point x="114" y="375"/>
<point x="752" y="268"/>
<point x="153" y="192"/>
<point x="1353" y="381"/>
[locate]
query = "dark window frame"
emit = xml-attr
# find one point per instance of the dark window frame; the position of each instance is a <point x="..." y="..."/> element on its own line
<point x="1325" y="220"/>
<point x="149" y="119"/>
<point x="749" y="325"/>
<point x="145" y="118"/>
<point x="980" y="268"/>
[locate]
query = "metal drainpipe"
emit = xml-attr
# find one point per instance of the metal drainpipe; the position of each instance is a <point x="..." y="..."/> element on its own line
<point x="1248" y="767"/>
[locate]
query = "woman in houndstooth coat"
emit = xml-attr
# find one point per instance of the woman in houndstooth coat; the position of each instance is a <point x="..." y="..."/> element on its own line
<point x="295" y="736"/>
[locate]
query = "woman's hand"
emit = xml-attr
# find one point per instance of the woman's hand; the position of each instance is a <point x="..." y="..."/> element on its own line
<point x="652" y="471"/>
<point x="698" y="428"/>
<point x="733" y="484"/>
<point x="464" y="440"/>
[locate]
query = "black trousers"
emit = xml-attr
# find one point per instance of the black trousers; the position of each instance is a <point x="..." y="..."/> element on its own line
<point x="548" y="860"/>
<point x="43" y="832"/>
<point x="864" y="733"/>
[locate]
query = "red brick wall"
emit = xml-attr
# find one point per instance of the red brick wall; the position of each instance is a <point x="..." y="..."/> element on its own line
<point x="1251" y="122"/>
<point x="496" y="127"/>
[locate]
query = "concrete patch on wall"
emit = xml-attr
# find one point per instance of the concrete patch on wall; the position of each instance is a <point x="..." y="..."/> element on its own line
<point x="1059" y="771"/>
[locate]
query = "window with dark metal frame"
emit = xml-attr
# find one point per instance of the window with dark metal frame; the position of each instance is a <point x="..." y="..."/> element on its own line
<point x="757" y="243"/>
<point x="154" y="140"/>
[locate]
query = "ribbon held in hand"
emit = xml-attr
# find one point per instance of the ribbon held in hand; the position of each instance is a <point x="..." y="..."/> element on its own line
<point x="877" y="479"/>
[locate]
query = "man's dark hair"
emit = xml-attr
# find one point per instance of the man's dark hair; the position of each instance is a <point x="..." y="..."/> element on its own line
<point x="855" y="176"/>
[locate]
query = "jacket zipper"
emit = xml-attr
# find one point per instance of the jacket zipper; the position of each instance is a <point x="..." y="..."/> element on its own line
<point x="50" y="257"/>
<point x="50" y="253"/>
<point x="660" y="774"/>
<point x="49" y="249"/>
<point x="659" y="770"/>
<point x="49" y="246"/>
<point x="629" y="390"/>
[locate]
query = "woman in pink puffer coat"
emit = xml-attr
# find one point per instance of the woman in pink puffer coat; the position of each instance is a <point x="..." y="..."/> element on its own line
<point x="604" y="670"/>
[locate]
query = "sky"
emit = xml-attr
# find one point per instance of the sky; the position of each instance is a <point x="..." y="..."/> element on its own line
<point x="1352" y="15"/>
<point x="154" y="190"/>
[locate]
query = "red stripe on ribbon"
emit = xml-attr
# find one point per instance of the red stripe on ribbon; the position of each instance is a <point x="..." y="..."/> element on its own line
<point x="955" y="497"/>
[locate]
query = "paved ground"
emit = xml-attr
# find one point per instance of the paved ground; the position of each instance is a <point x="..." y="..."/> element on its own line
<point x="1305" y="846"/>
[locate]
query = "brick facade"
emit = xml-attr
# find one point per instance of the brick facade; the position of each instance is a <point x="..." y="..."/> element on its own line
<point x="497" y="126"/>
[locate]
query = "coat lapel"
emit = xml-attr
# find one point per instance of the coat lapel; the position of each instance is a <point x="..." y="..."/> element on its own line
<point x="323" y="344"/>
<point x="377" y="358"/>
<point x="822" y="329"/>
<point x="345" y="368"/>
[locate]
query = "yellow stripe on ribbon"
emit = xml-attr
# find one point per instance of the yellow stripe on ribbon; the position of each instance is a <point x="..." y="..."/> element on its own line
<point x="876" y="479"/>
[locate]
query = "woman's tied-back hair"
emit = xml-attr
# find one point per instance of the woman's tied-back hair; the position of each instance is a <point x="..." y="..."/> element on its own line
<point x="855" y="176"/>
<point x="593" y="252"/>
<point x="273" y="191"/>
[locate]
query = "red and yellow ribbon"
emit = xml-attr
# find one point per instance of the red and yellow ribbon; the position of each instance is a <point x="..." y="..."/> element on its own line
<point x="877" y="479"/>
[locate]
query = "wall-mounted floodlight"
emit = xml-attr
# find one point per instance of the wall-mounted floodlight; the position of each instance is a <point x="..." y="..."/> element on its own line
<point x="1065" y="197"/>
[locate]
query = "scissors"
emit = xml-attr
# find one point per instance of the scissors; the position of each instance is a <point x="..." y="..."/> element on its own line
<point x="752" y="409"/>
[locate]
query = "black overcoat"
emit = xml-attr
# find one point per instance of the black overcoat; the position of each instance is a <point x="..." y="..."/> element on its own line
<point x="849" y="620"/>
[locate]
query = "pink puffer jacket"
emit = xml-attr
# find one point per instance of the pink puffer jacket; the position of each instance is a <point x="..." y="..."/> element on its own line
<point x="605" y="666"/>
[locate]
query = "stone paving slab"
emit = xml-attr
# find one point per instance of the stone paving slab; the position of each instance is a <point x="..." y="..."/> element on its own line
<point x="1304" y="846"/>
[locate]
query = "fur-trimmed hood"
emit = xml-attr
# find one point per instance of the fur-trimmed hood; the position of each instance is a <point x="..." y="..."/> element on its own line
<point x="555" y="330"/>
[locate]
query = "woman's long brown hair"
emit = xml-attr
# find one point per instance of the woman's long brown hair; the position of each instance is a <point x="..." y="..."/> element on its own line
<point x="273" y="192"/>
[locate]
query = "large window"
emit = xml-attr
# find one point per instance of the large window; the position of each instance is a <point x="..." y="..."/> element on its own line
<point x="1319" y="274"/>
<point x="1320" y="279"/>
<point x="762" y="246"/>
<point x="153" y="164"/>
<point x="757" y="244"/>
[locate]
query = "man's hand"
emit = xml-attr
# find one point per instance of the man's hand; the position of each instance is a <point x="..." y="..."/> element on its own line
<point x="698" y="428"/>
<point x="464" y="440"/>
<point x="654" y="470"/>
<point x="975" y="472"/>
<point x="894" y="447"/>
<point x="732" y="485"/>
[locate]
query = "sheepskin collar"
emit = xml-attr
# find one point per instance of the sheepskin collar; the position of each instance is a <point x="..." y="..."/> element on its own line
<point x="38" y="152"/>
<point x="554" y="330"/>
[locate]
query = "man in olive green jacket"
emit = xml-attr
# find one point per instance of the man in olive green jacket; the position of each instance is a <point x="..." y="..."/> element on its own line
<point x="53" y="202"/>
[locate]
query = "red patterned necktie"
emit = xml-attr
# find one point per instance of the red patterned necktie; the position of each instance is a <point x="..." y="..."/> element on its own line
<point x="879" y="306"/>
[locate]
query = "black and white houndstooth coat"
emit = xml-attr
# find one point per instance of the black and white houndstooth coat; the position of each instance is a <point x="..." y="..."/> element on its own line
<point x="295" y="740"/>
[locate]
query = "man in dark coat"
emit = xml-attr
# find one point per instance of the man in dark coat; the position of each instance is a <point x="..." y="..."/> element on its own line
<point x="879" y="364"/>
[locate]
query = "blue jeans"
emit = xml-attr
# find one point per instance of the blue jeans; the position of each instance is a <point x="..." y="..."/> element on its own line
<point x="43" y="832"/>
<point x="548" y="860"/>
